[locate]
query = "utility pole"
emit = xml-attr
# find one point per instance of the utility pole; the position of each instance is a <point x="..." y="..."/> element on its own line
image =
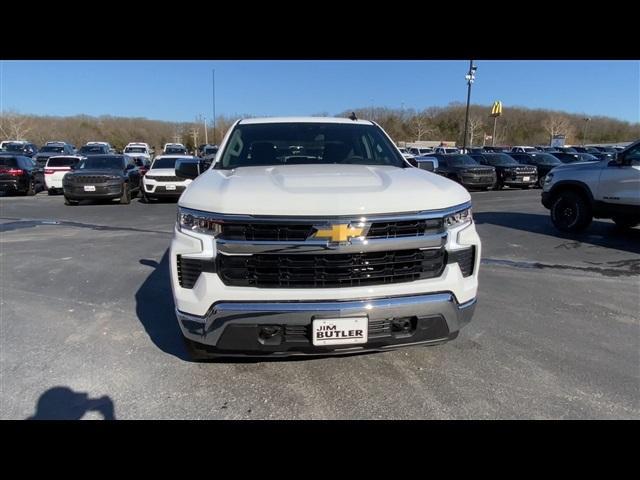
<point x="206" y="134"/>
<point x="470" y="77"/>
<point x="213" y="85"/>
<point x="194" y="132"/>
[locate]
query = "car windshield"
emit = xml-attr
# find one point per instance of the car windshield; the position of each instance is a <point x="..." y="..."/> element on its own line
<point x="62" y="161"/>
<point x="175" y="150"/>
<point x="308" y="143"/>
<point x="102" y="163"/>
<point x="164" y="163"/>
<point x="55" y="149"/>
<point x="458" y="160"/>
<point x="545" y="159"/>
<point x="135" y="150"/>
<point x="14" y="147"/>
<point x="500" y="159"/>
<point x="93" y="149"/>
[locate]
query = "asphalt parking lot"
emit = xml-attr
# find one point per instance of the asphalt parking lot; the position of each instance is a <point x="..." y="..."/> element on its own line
<point x="88" y="329"/>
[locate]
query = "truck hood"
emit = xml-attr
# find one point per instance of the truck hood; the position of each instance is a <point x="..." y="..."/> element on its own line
<point x="321" y="190"/>
<point x="581" y="166"/>
<point x="162" y="172"/>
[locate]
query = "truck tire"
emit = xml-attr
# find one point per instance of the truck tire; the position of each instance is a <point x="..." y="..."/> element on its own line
<point x="541" y="181"/>
<point x="570" y="212"/>
<point x="31" y="189"/>
<point x="125" y="199"/>
<point x="625" y="222"/>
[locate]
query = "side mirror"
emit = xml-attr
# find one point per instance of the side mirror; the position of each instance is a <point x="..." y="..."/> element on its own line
<point x="427" y="165"/>
<point x="187" y="168"/>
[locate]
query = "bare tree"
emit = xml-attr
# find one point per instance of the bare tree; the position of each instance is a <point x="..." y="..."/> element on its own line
<point x="475" y="124"/>
<point x="556" y="125"/>
<point x="15" y="126"/>
<point x="420" y="126"/>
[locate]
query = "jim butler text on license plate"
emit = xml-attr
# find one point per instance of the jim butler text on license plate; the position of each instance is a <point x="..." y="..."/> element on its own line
<point x="340" y="331"/>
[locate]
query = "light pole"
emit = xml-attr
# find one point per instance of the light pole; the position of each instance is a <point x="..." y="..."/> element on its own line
<point x="206" y="134"/>
<point x="470" y="77"/>
<point x="213" y="85"/>
<point x="584" y="134"/>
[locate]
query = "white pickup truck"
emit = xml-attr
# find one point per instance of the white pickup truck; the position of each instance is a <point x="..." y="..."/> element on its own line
<point x="575" y="193"/>
<point x="315" y="236"/>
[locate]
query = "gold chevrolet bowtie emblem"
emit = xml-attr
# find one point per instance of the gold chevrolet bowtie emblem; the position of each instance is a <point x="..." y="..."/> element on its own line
<point x="341" y="232"/>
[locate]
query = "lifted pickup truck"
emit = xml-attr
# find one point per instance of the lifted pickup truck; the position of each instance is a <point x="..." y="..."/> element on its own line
<point x="315" y="236"/>
<point x="575" y="193"/>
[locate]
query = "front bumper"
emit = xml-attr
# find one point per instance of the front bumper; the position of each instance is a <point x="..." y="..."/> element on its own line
<point x="546" y="199"/>
<point x="102" y="192"/>
<point x="234" y="328"/>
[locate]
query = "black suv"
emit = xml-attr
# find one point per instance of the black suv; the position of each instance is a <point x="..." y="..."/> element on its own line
<point x="102" y="177"/>
<point x="19" y="174"/>
<point x="574" y="157"/>
<point x="543" y="162"/>
<point x="465" y="170"/>
<point x="51" y="150"/>
<point x="25" y="149"/>
<point x="93" y="150"/>
<point x="509" y="172"/>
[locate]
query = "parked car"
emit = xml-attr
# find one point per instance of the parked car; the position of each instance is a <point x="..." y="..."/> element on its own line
<point x="103" y="177"/>
<point x="56" y="168"/>
<point x="543" y="162"/>
<point x="19" y="174"/>
<point x="51" y="149"/>
<point x="576" y="193"/>
<point x="590" y="150"/>
<point x="445" y="150"/>
<point x="465" y="170"/>
<point x="523" y="149"/>
<point x="606" y="149"/>
<point x="138" y="150"/>
<point x="566" y="149"/>
<point x="143" y="165"/>
<point x="509" y="172"/>
<point x="95" y="149"/>
<point x="494" y="149"/>
<point x="110" y="149"/>
<point x="420" y="151"/>
<point x="26" y="149"/>
<point x="161" y="180"/>
<point x="339" y="248"/>
<point x="174" y="149"/>
<point x="574" y="157"/>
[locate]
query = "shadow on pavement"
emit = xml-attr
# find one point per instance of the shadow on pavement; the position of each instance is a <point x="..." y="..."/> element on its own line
<point x="62" y="403"/>
<point x="156" y="310"/>
<point x="601" y="234"/>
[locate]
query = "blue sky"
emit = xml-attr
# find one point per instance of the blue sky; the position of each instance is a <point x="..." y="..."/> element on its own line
<point x="180" y="90"/>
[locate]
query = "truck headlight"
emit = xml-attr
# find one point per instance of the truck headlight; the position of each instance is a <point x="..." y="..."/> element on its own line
<point x="456" y="219"/>
<point x="199" y="222"/>
<point x="548" y="178"/>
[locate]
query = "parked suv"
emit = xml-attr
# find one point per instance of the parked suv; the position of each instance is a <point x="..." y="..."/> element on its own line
<point x="102" y="177"/>
<point x="18" y="174"/>
<point x="20" y="147"/>
<point x="94" y="149"/>
<point x="51" y="149"/>
<point x="56" y="168"/>
<point x="161" y="180"/>
<point x="138" y="150"/>
<point x="174" y="149"/>
<point x="313" y="235"/>
<point x="509" y="172"/>
<point x="465" y="170"/>
<point x="543" y="162"/>
<point x="577" y="193"/>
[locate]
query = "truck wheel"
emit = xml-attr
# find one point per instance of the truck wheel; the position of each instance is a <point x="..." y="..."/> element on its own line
<point x="570" y="212"/>
<point x="51" y="191"/>
<point x="541" y="181"/>
<point x="68" y="201"/>
<point x="626" y="222"/>
<point x="125" y="199"/>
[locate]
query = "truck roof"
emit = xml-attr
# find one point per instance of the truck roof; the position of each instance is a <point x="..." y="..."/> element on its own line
<point x="249" y="121"/>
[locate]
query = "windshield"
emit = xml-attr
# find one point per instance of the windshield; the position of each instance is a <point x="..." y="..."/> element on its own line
<point x="308" y="143"/>
<point x="62" y="161"/>
<point x="545" y="159"/>
<point x="93" y="149"/>
<point x="102" y="163"/>
<point x="14" y="147"/>
<point x="500" y="159"/>
<point x="135" y="150"/>
<point x="458" y="160"/>
<point x="175" y="150"/>
<point x="52" y="149"/>
<point x="164" y="163"/>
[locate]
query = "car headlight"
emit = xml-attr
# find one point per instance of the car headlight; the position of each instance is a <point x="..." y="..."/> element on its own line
<point x="200" y="222"/>
<point x="548" y="178"/>
<point x="458" y="218"/>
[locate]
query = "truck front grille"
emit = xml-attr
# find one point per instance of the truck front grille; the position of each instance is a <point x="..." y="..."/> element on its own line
<point x="330" y="271"/>
<point x="465" y="258"/>
<point x="88" y="179"/>
<point x="409" y="228"/>
<point x="266" y="232"/>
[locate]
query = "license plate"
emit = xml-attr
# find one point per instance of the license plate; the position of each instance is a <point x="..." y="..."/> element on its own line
<point x="340" y="331"/>
<point x="89" y="188"/>
<point x="526" y="179"/>
<point x="171" y="187"/>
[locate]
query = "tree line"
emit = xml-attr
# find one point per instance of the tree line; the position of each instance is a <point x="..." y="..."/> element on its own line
<point x="517" y="126"/>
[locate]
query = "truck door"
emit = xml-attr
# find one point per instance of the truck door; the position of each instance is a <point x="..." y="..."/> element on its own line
<point x="620" y="184"/>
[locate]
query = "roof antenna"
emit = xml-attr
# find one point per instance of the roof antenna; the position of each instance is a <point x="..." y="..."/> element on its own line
<point x="353" y="116"/>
